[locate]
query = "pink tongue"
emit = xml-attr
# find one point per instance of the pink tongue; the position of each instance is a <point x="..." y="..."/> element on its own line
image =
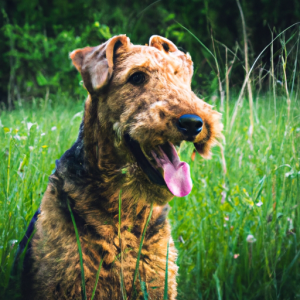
<point x="176" y="173"/>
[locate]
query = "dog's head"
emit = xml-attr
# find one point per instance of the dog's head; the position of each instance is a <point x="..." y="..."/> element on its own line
<point x="144" y="100"/>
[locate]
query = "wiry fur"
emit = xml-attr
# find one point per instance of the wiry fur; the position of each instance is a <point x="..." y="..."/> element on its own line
<point x="90" y="177"/>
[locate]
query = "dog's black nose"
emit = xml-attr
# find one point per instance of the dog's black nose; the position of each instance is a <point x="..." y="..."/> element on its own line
<point x="190" y="125"/>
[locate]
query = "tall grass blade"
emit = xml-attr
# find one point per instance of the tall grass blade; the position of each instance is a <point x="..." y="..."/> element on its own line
<point x="83" y="292"/>
<point x="120" y="206"/>
<point x="227" y="86"/>
<point x="217" y="280"/>
<point x="143" y="288"/>
<point x="218" y="76"/>
<point x="247" y="67"/>
<point x="122" y="285"/>
<point x="273" y="77"/>
<point x="295" y="64"/>
<point x="216" y="62"/>
<point x="149" y="6"/>
<point x="288" y="99"/>
<point x="140" y="248"/>
<point x="167" y="273"/>
<point x="284" y="276"/>
<point x="8" y="168"/>
<point x="197" y="40"/>
<point x="97" y="278"/>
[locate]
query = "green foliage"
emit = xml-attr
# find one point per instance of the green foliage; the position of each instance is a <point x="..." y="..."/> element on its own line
<point x="38" y="37"/>
<point x="41" y="63"/>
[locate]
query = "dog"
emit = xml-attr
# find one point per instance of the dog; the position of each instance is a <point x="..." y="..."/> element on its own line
<point x="140" y="106"/>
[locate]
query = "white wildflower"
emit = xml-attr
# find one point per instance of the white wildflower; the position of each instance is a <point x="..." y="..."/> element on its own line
<point x="250" y="238"/>
<point x="259" y="203"/>
<point x="288" y="174"/>
<point x="29" y="125"/>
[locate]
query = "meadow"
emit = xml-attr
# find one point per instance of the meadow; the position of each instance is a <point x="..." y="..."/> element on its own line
<point x="237" y="233"/>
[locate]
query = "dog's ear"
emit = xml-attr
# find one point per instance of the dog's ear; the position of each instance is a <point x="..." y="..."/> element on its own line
<point x="95" y="64"/>
<point x="184" y="64"/>
<point x="162" y="43"/>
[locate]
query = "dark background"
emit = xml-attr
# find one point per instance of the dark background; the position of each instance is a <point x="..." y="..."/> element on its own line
<point x="37" y="35"/>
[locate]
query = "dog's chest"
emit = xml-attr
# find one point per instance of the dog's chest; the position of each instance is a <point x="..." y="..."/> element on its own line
<point x="61" y="259"/>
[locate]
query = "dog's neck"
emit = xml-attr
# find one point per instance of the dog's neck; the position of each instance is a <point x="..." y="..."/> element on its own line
<point x="91" y="177"/>
<point x="100" y="153"/>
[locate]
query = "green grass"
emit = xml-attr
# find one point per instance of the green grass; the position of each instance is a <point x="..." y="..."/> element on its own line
<point x="259" y="196"/>
<point x="83" y="292"/>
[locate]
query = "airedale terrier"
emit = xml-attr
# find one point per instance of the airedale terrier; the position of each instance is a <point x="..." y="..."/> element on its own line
<point x="139" y="107"/>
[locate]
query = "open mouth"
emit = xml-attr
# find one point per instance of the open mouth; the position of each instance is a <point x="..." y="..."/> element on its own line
<point x="163" y="167"/>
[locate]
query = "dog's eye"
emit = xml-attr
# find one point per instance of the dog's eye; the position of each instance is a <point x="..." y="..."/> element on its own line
<point x="137" y="78"/>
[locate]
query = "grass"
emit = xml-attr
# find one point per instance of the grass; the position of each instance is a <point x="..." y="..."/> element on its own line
<point x="136" y="271"/>
<point x="83" y="292"/>
<point x="237" y="234"/>
<point x="166" y="274"/>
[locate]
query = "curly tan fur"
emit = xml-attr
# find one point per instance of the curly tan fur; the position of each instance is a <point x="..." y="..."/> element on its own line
<point x="90" y="177"/>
